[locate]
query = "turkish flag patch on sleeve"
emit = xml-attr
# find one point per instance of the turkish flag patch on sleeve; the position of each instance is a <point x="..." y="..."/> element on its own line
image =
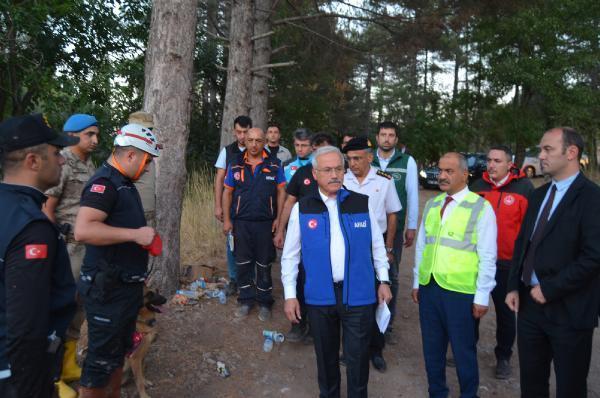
<point x="97" y="188"/>
<point x="33" y="252"/>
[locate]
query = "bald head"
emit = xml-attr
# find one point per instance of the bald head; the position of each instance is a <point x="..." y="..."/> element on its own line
<point x="255" y="141"/>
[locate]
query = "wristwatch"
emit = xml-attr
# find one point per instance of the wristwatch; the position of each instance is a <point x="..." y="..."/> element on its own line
<point x="386" y="283"/>
<point x="389" y="249"/>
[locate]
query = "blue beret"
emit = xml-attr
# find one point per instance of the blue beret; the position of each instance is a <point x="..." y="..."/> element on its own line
<point x="78" y="122"/>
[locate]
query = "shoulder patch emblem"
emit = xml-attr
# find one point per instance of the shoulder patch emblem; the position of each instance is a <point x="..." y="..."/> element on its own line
<point x="33" y="252"/>
<point x="509" y="200"/>
<point x="384" y="174"/>
<point x="97" y="188"/>
<point x="306" y="181"/>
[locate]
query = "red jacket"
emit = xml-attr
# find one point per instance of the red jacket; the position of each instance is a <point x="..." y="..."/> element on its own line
<point x="509" y="202"/>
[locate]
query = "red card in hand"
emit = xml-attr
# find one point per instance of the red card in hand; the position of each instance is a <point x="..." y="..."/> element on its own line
<point x="155" y="248"/>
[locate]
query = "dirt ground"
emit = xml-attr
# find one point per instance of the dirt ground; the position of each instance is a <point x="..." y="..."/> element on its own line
<point x="182" y="362"/>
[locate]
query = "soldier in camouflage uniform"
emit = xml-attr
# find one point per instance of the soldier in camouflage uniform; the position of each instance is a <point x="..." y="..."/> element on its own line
<point x="61" y="207"/>
<point x="146" y="184"/>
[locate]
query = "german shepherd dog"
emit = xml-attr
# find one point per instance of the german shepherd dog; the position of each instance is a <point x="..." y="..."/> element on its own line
<point x="145" y="334"/>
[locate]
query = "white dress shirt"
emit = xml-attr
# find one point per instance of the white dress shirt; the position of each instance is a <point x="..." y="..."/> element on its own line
<point x="383" y="198"/>
<point x="291" y="256"/>
<point x="486" y="248"/>
<point x="412" y="188"/>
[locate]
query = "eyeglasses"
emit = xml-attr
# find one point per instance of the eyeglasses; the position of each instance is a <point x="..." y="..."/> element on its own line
<point x="328" y="170"/>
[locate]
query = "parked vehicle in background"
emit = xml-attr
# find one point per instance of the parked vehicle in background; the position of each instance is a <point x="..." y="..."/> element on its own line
<point x="476" y="161"/>
<point x="531" y="164"/>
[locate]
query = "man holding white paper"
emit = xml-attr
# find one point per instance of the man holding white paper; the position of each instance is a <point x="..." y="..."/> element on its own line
<point x="340" y="287"/>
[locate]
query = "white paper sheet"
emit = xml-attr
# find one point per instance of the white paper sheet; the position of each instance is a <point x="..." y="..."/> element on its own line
<point x="382" y="316"/>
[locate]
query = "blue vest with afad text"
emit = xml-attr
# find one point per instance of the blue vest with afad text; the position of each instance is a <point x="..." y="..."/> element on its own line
<point x="355" y="223"/>
<point x="130" y="259"/>
<point x="255" y="191"/>
<point x="20" y="206"/>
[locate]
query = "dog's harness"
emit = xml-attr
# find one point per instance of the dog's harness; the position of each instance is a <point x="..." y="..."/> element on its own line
<point x="138" y="337"/>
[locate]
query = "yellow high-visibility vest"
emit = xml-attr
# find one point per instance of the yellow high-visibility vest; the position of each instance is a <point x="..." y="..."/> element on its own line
<point x="451" y="249"/>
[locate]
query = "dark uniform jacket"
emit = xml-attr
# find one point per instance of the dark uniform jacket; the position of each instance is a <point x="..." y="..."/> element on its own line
<point x="37" y="291"/>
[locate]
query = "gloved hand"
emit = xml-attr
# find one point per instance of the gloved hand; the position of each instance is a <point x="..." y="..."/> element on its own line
<point x="155" y="248"/>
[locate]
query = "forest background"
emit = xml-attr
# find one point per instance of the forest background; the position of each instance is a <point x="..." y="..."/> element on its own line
<point x="455" y="75"/>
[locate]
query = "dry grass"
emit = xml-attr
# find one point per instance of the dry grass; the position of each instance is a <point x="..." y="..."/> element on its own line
<point x="201" y="238"/>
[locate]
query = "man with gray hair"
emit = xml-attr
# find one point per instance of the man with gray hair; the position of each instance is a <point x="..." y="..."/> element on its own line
<point x="339" y="288"/>
<point x="454" y="273"/>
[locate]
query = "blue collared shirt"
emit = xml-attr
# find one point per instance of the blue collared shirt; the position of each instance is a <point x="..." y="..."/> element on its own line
<point x="561" y="189"/>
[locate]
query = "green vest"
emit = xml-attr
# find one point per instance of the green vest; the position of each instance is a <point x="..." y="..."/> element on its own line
<point x="397" y="169"/>
<point x="451" y="249"/>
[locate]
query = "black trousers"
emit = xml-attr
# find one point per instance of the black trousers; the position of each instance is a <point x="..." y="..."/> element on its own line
<point x="540" y="342"/>
<point x="506" y="323"/>
<point x="356" y="323"/>
<point x="111" y="325"/>
<point x="254" y="251"/>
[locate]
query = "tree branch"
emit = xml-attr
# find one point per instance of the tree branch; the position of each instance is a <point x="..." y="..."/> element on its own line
<point x="262" y="35"/>
<point x="215" y="36"/>
<point x="281" y="48"/>
<point x="275" y="65"/>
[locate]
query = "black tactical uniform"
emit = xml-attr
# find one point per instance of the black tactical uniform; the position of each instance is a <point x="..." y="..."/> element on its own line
<point x="112" y="277"/>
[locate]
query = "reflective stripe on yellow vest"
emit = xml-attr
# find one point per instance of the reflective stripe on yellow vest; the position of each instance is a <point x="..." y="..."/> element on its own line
<point x="451" y="249"/>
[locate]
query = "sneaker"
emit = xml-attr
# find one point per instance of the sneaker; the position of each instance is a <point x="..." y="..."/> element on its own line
<point x="231" y="289"/>
<point x="297" y="333"/>
<point x="378" y="363"/>
<point x="264" y="314"/>
<point x="503" y="369"/>
<point x="242" y="311"/>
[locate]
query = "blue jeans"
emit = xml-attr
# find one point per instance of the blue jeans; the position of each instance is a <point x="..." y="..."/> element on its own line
<point x="447" y="316"/>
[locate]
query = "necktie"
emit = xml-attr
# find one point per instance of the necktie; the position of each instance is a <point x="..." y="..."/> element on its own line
<point x="446" y="201"/>
<point x="536" y="238"/>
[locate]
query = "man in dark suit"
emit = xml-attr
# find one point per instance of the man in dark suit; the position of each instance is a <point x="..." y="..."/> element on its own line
<point x="554" y="284"/>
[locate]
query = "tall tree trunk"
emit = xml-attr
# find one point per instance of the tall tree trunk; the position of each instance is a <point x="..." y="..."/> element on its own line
<point x="368" y="86"/>
<point x="457" y="57"/>
<point x="425" y="72"/>
<point x="167" y="95"/>
<point x="259" y="96"/>
<point x="208" y="87"/>
<point x="239" y="75"/>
